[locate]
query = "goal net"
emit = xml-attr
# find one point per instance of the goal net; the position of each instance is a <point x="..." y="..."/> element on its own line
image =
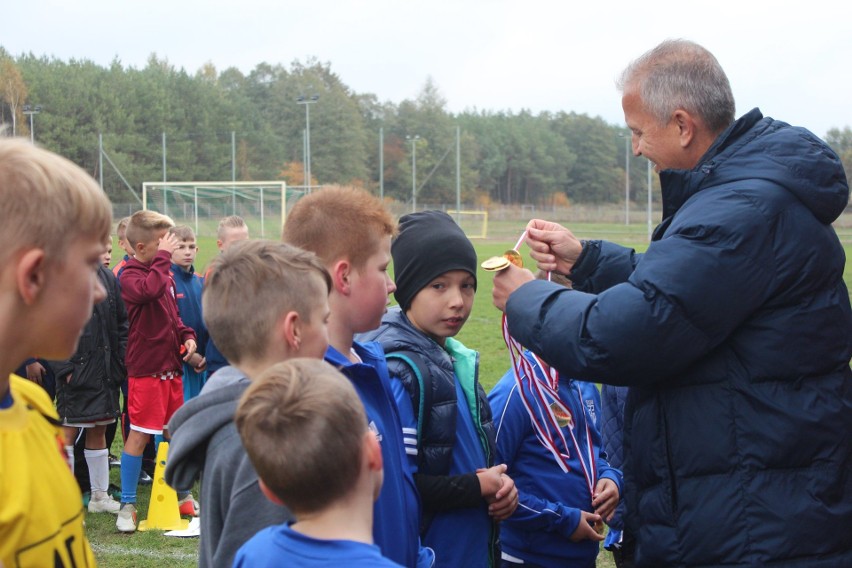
<point x="200" y="205"/>
<point x="473" y="223"/>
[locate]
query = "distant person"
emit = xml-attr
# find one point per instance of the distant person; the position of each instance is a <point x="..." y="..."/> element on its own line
<point x="306" y="433"/>
<point x="232" y="229"/>
<point x="350" y="230"/>
<point x="188" y="287"/>
<point x="264" y="302"/>
<point x="121" y="233"/>
<point x="157" y="346"/>
<point x="435" y="380"/>
<point x="88" y="386"/>
<point x="733" y="331"/>
<point x="48" y="279"/>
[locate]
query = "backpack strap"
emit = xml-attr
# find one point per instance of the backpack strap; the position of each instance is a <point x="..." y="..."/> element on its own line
<point x="421" y="397"/>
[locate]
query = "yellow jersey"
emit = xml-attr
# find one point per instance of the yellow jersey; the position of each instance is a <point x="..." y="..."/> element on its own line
<point x="41" y="509"/>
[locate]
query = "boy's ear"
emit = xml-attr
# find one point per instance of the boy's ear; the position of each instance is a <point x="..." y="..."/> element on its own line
<point x="290" y="330"/>
<point x="30" y="275"/>
<point x="268" y="493"/>
<point x="373" y="451"/>
<point x="341" y="274"/>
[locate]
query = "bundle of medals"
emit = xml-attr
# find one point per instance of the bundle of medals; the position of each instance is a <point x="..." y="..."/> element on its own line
<point x="548" y="414"/>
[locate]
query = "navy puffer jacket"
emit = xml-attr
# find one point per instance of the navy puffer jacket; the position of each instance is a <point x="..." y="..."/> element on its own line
<point x="734" y="332"/>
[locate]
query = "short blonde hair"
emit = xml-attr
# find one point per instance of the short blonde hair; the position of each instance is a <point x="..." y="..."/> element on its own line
<point x="303" y="425"/>
<point x="144" y="225"/>
<point x="339" y="222"/>
<point x="121" y="228"/>
<point x="229" y="222"/>
<point x="183" y="232"/>
<point x="250" y="286"/>
<point x="47" y="202"/>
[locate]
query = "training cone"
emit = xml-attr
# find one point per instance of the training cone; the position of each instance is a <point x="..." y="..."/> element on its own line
<point x="163" y="513"/>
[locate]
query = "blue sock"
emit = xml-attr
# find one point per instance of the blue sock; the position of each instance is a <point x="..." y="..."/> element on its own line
<point x="130" y="468"/>
<point x="157" y="439"/>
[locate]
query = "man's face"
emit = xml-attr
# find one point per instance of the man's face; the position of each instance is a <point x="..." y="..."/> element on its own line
<point x="660" y="143"/>
<point x="184" y="254"/>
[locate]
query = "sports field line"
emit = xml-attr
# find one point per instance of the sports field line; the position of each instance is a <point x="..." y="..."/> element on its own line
<point x="122" y="551"/>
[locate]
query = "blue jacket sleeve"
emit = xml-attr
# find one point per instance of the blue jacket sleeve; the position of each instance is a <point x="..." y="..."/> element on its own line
<point x="602" y="265"/>
<point x="686" y="296"/>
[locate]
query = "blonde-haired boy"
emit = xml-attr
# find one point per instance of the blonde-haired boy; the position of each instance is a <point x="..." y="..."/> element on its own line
<point x="121" y="233"/>
<point x="188" y="288"/>
<point x="158" y="343"/>
<point x="305" y="431"/>
<point x="350" y="230"/>
<point x="48" y="285"/>
<point x="264" y="302"/>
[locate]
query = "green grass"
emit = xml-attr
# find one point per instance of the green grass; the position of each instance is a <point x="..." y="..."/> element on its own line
<point x="482" y="332"/>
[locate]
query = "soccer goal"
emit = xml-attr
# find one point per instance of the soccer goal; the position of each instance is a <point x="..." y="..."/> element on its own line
<point x="200" y="205"/>
<point x="473" y="223"/>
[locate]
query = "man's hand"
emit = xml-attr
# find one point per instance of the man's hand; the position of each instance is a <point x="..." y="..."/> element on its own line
<point x="605" y="499"/>
<point x="507" y="281"/>
<point x="552" y="246"/>
<point x="36" y="372"/>
<point x="169" y="243"/>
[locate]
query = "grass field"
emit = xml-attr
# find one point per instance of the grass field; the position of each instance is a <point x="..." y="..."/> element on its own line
<point x="482" y="332"/>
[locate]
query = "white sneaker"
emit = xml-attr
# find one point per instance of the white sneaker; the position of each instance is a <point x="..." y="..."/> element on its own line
<point x="126" y="521"/>
<point x="104" y="504"/>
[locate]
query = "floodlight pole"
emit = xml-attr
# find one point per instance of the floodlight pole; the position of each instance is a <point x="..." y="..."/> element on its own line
<point x="627" y="152"/>
<point x="413" y="140"/>
<point x="31" y="110"/>
<point x="307" y="101"/>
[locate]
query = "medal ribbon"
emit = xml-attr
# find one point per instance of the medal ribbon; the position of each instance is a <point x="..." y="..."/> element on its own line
<point x="544" y="420"/>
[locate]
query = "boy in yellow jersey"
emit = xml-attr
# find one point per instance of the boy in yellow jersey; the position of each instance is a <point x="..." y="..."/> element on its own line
<point x="54" y="221"/>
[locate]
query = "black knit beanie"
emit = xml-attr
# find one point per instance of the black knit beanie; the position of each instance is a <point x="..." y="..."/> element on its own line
<point x="428" y="244"/>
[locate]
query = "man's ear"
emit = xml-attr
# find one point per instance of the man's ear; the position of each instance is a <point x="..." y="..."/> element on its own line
<point x="341" y="275"/>
<point x="686" y="126"/>
<point x="268" y="493"/>
<point x="30" y="275"/>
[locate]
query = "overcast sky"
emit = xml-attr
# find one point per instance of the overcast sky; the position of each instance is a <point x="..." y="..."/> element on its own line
<point x="792" y="59"/>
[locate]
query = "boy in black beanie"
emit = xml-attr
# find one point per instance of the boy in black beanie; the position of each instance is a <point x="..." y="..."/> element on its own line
<point x="435" y="382"/>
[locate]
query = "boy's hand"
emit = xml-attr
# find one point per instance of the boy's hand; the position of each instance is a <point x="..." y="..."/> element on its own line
<point x="605" y="499"/>
<point x="190" y="346"/>
<point x="490" y="481"/>
<point x="505" y="500"/>
<point x="202" y="365"/>
<point x="585" y="529"/>
<point x="169" y="243"/>
<point x="36" y="372"/>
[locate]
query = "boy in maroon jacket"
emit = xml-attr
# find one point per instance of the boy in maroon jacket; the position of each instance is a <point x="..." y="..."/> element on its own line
<point x="158" y="342"/>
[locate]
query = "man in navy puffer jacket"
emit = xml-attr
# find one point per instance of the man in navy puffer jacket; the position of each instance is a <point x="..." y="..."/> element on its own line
<point x="733" y="330"/>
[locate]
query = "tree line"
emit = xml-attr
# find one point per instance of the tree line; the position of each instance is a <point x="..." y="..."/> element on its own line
<point x="214" y="125"/>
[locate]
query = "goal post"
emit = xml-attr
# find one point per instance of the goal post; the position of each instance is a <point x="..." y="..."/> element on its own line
<point x="473" y="223"/>
<point x="201" y="204"/>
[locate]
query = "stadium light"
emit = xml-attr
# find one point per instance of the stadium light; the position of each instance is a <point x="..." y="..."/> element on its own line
<point x="307" y="101"/>
<point x="31" y="110"/>
<point x="627" y="152"/>
<point x="413" y="140"/>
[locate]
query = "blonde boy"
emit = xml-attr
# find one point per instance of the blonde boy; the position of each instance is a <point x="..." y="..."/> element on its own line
<point x="188" y="287"/>
<point x="350" y="230"/>
<point x="305" y="431"/>
<point x="121" y="233"/>
<point x="48" y="285"/>
<point x="157" y="345"/>
<point x="264" y="302"/>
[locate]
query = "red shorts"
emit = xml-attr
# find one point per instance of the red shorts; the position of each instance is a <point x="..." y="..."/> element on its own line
<point x="151" y="401"/>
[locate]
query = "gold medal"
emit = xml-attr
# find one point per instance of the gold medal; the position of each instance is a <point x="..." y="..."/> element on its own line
<point x="514" y="257"/>
<point x="495" y="263"/>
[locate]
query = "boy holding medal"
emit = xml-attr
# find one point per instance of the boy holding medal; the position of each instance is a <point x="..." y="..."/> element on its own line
<point x="443" y="407"/>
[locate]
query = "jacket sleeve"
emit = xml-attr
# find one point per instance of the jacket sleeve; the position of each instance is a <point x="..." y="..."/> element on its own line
<point x="534" y="513"/>
<point x="602" y="265"/>
<point x="437" y="492"/>
<point x="141" y="287"/>
<point x="690" y="291"/>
